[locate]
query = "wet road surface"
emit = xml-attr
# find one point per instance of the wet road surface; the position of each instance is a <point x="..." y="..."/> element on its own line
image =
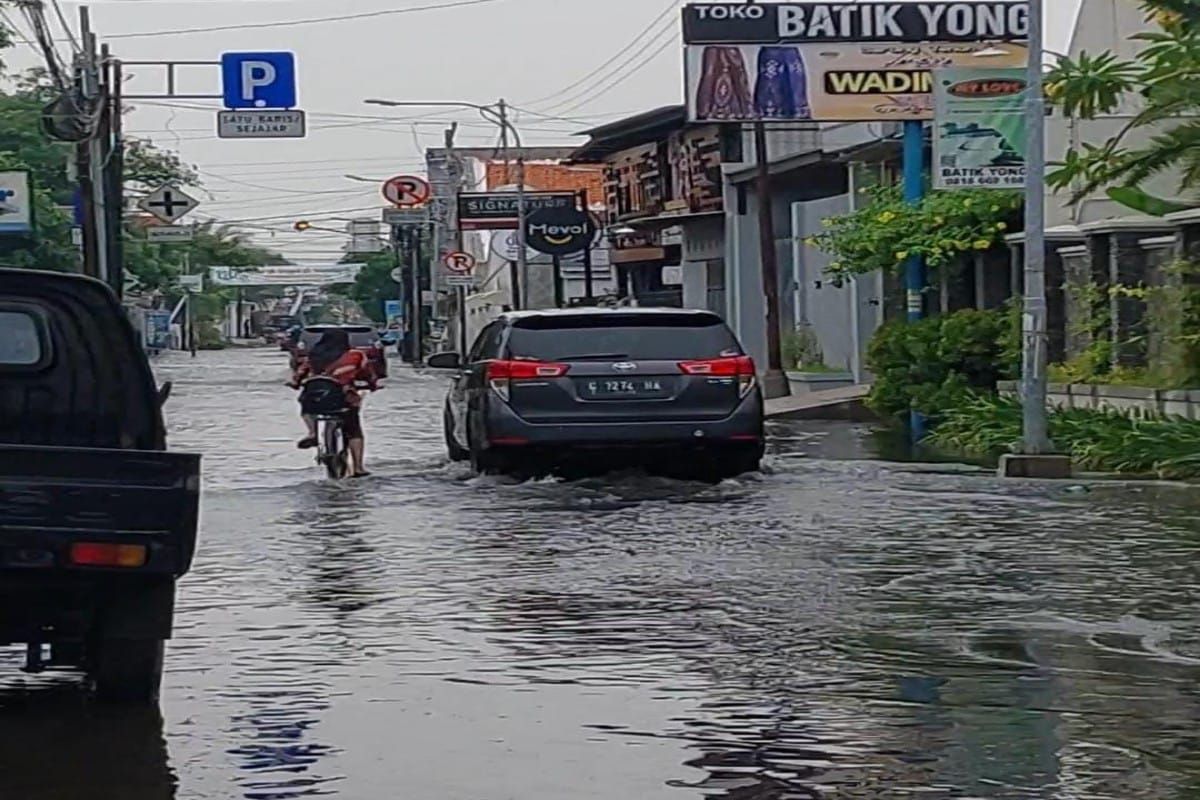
<point x="836" y="627"/>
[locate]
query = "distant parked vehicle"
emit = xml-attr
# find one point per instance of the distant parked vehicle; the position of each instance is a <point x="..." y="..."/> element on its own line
<point x="362" y="337"/>
<point x="543" y="388"/>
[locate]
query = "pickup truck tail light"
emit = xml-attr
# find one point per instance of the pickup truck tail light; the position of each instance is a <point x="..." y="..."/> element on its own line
<point x="101" y="554"/>
<point x="740" y="367"/>
<point x="501" y="374"/>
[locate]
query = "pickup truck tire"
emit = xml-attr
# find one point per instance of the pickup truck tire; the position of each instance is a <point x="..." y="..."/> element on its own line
<point x="128" y="670"/>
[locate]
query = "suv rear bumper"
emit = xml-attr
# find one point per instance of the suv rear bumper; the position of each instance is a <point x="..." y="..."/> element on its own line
<point x="505" y="428"/>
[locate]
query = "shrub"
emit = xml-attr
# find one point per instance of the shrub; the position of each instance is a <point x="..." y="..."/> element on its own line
<point x="1110" y="441"/>
<point x="934" y="364"/>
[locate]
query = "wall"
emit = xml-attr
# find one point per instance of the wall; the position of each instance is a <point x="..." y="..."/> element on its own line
<point x="550" y="177"/>
<point x="1126" y="399"/>
<point x="1102" y="25"/>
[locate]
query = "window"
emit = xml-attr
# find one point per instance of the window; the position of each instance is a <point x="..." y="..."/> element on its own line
<point x="20" y="339"/>
<point x="618" y="336"/>
<point x="487" y="346"/>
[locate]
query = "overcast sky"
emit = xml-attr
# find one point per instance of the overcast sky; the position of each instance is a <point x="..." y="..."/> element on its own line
<point x="541" y="55"/>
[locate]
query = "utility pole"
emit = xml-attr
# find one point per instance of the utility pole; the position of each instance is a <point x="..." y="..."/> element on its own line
<point x="454" y="172"/>
<point x="114" y="171"/>
<point x="1037" y="458"/>
<point x="775" y="382"/>
<point x="95" y="100"/>
<point x="521" y="293"/>
<point x="1035" y="344"/>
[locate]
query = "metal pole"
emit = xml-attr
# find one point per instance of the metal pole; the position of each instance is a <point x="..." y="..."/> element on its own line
<point x="414" y="243"/>
<point x="191" y="296"/>
<point x="462" y="321"/>
<point x="558" y="285"/>
<point x="1035" y="341"/>
<point x="589" y="292"/>
<point x="115" y="173"/>
<point x="94" y="92"/>
<point x="914" y="268"/>
<point x="775" y="383"/>
<point x="399" y="257"/>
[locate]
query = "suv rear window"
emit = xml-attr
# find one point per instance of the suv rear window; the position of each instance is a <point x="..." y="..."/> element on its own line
<point x="641" y="337"/>
<point x="20" y="339"/>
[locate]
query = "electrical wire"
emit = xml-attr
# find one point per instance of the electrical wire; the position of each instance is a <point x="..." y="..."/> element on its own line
<point x="62" y="18"/>
<point x="620" y="80"/>
<point x="310" y="21"/>
<point x="633" y="43"/>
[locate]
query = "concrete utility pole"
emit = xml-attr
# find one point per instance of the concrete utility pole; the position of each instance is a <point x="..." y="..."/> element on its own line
<point x="775" y="383"/>
<point x="499" y="115"/>
<point x="454" y="172"/>
<point x="522" y="298"/>
<point x="1036" y="458"/>
<point x="96" y="250"/>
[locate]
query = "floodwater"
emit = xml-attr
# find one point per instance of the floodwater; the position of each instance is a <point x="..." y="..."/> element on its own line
<point x="838" y="627"/>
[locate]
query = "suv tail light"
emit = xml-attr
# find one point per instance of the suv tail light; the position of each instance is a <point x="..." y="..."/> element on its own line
<point x="740" y="367"/>
<point x="501" y="374"/>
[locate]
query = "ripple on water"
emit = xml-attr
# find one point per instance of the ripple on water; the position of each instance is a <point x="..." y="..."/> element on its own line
<point x="834" y="627"/>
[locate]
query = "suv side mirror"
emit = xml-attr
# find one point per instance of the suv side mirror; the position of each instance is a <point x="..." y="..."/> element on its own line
<point x="444" y="361"/>
<point x="164" y="392"/>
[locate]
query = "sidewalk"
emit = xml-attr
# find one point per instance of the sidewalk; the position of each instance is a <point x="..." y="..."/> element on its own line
<point x="846" y="404"/>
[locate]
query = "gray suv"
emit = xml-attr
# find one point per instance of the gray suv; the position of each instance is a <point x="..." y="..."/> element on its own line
<point x="660" y="387"/>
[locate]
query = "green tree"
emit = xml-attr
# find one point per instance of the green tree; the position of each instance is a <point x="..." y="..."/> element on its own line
<point x="375" y="285"/>
<point x="1163" y="82"/>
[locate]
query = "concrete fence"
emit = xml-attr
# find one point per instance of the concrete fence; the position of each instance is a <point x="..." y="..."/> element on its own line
<point x="1183" y="403"/>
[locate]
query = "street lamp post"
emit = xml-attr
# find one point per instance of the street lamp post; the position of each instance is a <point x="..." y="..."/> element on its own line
<point x="498" y="114"/>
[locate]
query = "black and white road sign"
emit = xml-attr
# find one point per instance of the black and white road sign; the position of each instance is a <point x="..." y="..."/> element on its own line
<point x="168" y="203"/>
<point x="406" y="191"/>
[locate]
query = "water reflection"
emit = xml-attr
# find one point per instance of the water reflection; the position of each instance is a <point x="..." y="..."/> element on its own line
<point x="56" y="743"/>
<point x="836" y="627"/>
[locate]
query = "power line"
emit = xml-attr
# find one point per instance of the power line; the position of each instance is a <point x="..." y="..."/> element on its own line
<point x="310" y="21"/>
<point x="620" y="80"/>
<point x="633" y="43"/>
<point x="66" y="26"/>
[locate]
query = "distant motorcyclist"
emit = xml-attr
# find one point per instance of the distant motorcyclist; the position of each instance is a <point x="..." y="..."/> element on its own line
<point x="332" y="357"/>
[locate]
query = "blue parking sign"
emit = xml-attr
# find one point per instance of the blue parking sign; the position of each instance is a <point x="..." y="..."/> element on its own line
<point x="259" y="80"/>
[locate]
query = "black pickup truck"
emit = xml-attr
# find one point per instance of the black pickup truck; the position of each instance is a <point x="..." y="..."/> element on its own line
<point x="97" y="520"/>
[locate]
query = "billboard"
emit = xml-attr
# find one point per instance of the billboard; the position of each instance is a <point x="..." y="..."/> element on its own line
<point x="840" y="82"/>
<point x="286" y="275"/>
<point x="838" y="62"/>
<point x="393" y="313"/>
<point x="16" y="203"/>
<point x="809" y="22"/>
<point x="157" y="329"/>
<point x="979" y="131"/>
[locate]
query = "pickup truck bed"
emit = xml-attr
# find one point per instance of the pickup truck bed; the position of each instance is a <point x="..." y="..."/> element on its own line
<point x="54" y="498"/>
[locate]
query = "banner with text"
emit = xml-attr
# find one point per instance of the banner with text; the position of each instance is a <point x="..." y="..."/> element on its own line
<point x="979" y="129"/>
<point x="286" y="275"/>
<point x="838" y="82"/>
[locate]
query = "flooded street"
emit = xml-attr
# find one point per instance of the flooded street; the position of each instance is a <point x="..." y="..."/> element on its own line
<point x="839" y="627"/>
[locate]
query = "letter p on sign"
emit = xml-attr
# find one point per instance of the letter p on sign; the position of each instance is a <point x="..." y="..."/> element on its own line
<point x="258" y="80"/>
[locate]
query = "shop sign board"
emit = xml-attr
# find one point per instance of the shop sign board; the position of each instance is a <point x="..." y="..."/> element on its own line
<point x="838" y="62"/>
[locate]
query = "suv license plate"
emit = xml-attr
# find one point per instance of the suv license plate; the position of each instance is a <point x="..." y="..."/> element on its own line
<point x="621" y="388"/>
